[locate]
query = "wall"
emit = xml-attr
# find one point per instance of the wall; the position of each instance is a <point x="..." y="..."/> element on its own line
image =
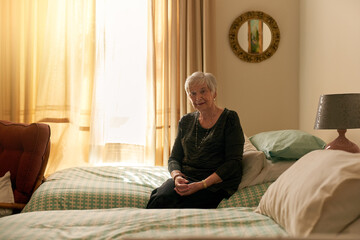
<point x="266" y="94"/>
<point x="329" y="57"/>
<point x="318" y="54"/>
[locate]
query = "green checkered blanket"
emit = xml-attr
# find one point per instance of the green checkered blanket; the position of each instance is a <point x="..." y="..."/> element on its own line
<point x="120" y="223"/>
<point x="115" y="187"/>
<point x="246" y="197"/>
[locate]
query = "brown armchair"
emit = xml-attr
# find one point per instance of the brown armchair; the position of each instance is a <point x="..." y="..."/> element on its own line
<point x="24" y="151"/>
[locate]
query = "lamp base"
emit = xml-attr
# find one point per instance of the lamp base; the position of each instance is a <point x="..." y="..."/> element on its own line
<point x="342" y="143"/>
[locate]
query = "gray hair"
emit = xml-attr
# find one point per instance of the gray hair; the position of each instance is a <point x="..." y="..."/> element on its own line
<point x="201" y="78"/>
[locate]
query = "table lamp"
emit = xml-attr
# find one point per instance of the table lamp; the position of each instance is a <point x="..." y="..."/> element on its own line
<point x="341" y="112"/>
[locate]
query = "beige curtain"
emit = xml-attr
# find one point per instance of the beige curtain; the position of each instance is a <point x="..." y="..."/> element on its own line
<point x="46" y="71"/>
<point x="177" y="35"/>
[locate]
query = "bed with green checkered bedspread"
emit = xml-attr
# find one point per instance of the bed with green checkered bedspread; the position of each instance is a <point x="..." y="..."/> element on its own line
<point x="120" y="223"/>
<point x="115" y="187"/>
<point x="109" y="202"/>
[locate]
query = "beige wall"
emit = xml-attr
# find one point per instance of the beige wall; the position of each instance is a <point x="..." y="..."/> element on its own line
<point x="266" y="94"/>
<point x="329" y="57"/>
<point x="318" y="54"/>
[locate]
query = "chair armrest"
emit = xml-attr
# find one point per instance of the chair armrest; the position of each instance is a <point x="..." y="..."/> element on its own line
<point x="18" y="206"/>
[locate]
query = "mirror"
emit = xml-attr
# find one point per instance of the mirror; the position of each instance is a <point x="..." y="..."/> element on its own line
<point x="254" y="36"/>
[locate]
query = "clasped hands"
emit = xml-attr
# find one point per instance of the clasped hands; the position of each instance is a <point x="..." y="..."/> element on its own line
<point x="184" y="188"/>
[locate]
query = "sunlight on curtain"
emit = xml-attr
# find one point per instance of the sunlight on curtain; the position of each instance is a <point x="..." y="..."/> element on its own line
<point x="86" y="67"/>
<point x="46" y="72"/>
<point x="66" y="80"/>
<point x="118" y="116"/>
<point x="21" y="35"/>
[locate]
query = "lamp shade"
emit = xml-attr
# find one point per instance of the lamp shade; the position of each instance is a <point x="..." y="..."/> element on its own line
<point x="338" y="111"/>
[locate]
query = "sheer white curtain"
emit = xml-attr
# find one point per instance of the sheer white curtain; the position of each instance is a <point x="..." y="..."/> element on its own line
<point x="118" y="112"/>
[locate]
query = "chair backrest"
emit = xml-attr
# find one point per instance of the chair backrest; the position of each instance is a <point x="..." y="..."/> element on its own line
<point x="24" y="151"/>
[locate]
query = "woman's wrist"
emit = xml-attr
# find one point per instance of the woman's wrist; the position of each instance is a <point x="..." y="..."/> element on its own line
<point x="204" y="184"/>
<point x="177" y="175"/>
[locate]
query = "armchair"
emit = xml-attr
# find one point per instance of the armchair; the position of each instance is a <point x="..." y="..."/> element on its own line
<point x="24" y="151"/>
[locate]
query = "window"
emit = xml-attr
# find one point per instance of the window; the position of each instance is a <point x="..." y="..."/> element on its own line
<point x="119" y="95"/>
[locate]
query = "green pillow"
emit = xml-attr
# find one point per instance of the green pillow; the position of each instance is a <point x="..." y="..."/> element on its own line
<point x="286" y="145"/>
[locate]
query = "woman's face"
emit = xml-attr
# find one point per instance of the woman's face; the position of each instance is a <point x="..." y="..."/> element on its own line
<point x="201" y="97"/>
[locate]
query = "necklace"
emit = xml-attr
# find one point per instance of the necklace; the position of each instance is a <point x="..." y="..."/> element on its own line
<point x="196" y="135"/>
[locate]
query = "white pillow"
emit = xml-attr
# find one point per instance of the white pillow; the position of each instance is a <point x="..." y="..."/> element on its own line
<point x="6" y="194"/>
<point x="253" y="163"/>
<point x="248" y="146"/>
<point x="271" y="171"/>
<point x="257" y="169"/>
<point x="318" y="194"/>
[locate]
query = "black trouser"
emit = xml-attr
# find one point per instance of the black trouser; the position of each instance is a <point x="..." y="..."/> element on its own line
<point x="166" y="197"/>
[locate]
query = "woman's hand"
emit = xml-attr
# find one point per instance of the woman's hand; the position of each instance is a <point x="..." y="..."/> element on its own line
<point x="185" y="188"/>
<point x="181" y="184"/>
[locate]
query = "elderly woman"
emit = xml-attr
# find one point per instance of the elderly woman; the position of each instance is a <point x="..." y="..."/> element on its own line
<point x="205" y="162"/>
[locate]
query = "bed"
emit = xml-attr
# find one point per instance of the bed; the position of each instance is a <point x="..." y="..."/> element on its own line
<point x="115" y="187"/>
<point x="139" y="223"/>
<point x="109" y="202"/>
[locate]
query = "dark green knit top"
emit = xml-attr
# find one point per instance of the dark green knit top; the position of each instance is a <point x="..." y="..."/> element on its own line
<point x="218" y="149"/>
